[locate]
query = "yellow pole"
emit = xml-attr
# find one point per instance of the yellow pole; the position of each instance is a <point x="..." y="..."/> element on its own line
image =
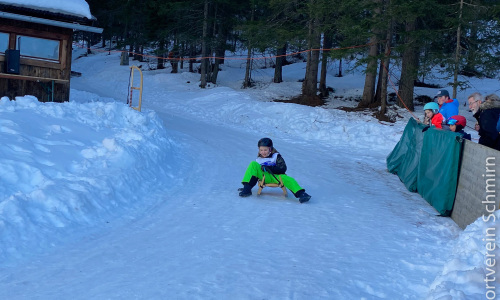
<point x="135" y="88"/>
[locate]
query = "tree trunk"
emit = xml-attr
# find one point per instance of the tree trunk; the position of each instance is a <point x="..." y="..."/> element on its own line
<point x="219" y="52"/>
<point x="378" y="89"/>
<point x="174" y="61"/>
<point x="408" y="68"/>
<point x="191" y="57"/>
<point x="248" y="77"/>
<point x="371" y="74"/>
<point x="385" y="67"/>
<point x="472" y="48"/>
<point x="457" y="51"/>
<point x="89" y="42"/>
<point x="309" y="86"/>
<point x="218" y="61"/>
<point x="131" y="50"/>
<point x="211" y="76"/>
<point x="204" y="59"/>
<point x="137" y="52"/>
<point x="181" y="55"/>
<point x="327" y="44"/>
<point x="124" y="59"/>
<point x="215" y="71"/>
<point x="340" y="68"/>
<point x="371" y="69"/>
<point x="175" y="65"/>
<point x="278" y="68"/>
<point x="160" y="65"/>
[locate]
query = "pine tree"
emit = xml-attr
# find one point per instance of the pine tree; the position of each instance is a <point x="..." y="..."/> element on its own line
<point x="310" y="83"/>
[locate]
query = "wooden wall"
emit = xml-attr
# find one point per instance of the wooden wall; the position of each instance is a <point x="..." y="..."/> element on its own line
<point x="60" y="71"/>
<point x="477" y="191"/>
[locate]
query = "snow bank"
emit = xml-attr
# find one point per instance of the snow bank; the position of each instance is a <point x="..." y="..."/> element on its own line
<point x="471" y="270"/>
<point x="73" y="164"/>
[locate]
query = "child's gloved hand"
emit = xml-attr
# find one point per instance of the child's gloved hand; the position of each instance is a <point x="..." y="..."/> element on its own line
<point x="263" y="168"/>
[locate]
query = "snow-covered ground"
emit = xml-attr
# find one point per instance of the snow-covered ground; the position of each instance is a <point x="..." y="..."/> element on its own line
<point x="99" y="201"/>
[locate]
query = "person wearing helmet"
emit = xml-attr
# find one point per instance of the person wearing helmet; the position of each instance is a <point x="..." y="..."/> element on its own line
<point x="432" y="115"/>
<point x="457" y="124"/>
<point x="447" y="107"/>
<point x="270" y="163"/>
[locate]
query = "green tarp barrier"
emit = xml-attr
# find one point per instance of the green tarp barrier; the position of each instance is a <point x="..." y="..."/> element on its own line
<point x="404" y="158"/>
<point x="428" y="163"/>
<point x="438" y="169"/>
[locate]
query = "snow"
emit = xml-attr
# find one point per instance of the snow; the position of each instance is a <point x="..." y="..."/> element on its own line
<point x="100" y="201"/>
<point x="468" y="264"/>
<point x="79" y="8"/>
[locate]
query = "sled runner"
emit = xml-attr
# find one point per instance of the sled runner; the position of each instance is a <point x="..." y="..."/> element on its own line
<point x="263" y="185"/>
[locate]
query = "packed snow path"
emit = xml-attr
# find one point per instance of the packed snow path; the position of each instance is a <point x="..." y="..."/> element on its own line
<point x="362" y="235"/>
<point x="202" y="241"/>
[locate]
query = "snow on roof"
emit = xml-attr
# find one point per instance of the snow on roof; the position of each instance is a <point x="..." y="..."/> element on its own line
<point x="78" y="8"/>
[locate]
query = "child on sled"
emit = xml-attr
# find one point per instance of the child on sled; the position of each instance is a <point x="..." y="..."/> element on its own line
<point x="270" y="163"/>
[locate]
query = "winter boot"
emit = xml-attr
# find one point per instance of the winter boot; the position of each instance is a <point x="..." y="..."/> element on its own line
<point x="247" y="187"/>
<point x="303" y="196"/>
<point x="246" y="190"/>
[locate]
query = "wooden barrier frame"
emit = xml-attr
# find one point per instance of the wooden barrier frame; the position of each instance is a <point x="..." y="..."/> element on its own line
<point x="132" y="88"/>
<point x="36" y="79"/>
<point x="263" y="185"/>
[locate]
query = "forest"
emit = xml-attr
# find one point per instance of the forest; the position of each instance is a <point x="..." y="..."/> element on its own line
<point x="457" y="36"/>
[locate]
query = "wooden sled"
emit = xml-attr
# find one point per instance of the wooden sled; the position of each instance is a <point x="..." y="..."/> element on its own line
<point x="263" y="185"/>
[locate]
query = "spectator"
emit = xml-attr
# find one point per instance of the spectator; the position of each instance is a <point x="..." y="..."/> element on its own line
<point x="488" y="119"/>
<point x="432" y="115"/>
<point x="457" y="124"/>
<point x="475" y="100"/>
<point x="447" y="107"/>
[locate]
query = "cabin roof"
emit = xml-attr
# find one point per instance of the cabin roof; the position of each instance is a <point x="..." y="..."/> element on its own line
<point x="73" y="14"/>
<point x="78" y="9"/>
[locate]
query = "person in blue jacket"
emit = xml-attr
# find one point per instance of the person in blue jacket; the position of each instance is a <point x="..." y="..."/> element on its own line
<point x="447" y="107"/>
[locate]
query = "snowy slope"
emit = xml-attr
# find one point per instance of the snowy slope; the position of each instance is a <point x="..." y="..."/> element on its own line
<point x="101" y="201"/>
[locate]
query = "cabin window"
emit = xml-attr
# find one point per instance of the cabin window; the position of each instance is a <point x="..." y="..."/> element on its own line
<point x="38" y="48"/>
<point x="4" y="42"/>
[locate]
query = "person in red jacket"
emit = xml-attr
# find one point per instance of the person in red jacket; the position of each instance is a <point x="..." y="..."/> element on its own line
<point x="432" y="115"/>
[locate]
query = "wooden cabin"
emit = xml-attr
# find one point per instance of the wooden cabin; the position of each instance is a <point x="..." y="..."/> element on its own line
<point x="35" y="52"/>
